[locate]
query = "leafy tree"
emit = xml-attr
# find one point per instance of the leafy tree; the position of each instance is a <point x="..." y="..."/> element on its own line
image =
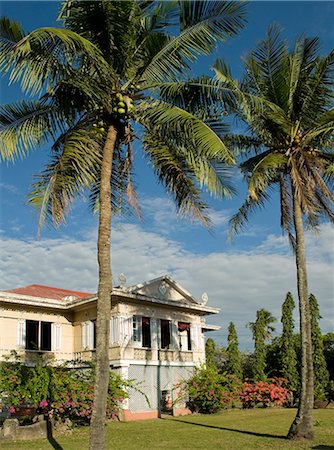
<point x="328" y="340"/>
<point x="321" y="375"/>
<point x="210" y="350"/>
<point x="286" y="99"/>
<point x="115" y="63"/>
<point x="233" y="365"/>
<point x="261" y="330"/>
<point x="287" y="352"/>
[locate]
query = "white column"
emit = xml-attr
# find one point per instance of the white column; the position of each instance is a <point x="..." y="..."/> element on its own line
<point x="174" y="335"/>
<point x="154" y="333"/>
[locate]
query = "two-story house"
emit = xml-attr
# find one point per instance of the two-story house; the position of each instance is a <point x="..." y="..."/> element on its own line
<point x="156" y="334"/>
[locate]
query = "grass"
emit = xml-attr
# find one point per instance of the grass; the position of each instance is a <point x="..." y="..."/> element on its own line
<point x="236" y="429"/>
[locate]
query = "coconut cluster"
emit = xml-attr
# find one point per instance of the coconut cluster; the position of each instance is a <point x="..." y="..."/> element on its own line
<point x="99" y="129"/>
<point x="122" y="106"/>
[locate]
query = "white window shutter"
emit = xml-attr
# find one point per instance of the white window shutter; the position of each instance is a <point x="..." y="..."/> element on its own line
<point x="84" y="335"/>
<point x="56" y="331"/>
<point x="91" y="335"/>
<point x="21" y="334"/>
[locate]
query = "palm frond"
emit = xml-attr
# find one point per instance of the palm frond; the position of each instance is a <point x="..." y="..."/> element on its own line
<point x="158" y="114"/>
<point x="72" y="170"/>
<point x="25" y="126"/>
<point x="45" y="55"/>
<point x="10" y="34"/>
<point x="239" y="220"/>
<point x="177" y="176"/>
<point x="202" y="25"/>
<point x="111" y="26"/>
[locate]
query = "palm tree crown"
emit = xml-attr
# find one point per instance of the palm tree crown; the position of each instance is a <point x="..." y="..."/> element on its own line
<point x="115" y="62"/>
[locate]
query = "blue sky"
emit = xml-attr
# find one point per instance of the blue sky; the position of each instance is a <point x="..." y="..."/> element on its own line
<point x="255" y="271"/>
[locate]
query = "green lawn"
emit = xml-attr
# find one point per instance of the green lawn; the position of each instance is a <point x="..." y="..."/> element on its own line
<point x="249" y="429"/>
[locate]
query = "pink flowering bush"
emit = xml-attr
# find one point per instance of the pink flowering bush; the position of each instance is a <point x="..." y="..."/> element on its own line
<point x="208" y="391"/>
<point x="63" y="392"/>
<point x="72" y="395"/>
<point x="269" y="392"/>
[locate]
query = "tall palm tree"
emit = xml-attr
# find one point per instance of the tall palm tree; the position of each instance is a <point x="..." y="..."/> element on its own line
<point x="114" y="63"/>
<point x="286" y="99"/>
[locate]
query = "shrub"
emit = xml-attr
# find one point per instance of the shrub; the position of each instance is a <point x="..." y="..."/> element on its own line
<point x="208" y="391"/>
<point x="267" y="392"/>
<point x="63" y="392"/>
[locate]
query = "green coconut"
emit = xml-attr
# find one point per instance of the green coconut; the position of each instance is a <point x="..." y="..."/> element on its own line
<point x="121" y="104"/>
<point x="121" y="111"/>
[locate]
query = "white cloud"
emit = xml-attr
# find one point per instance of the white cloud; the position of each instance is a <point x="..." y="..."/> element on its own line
<point x="238" y="282"/>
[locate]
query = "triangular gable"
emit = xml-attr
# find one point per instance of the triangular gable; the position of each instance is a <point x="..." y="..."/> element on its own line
<point x="163" y="288"/>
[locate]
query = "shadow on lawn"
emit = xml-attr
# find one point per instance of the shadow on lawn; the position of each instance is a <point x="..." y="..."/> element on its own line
<point x="51" y="439"/>
<point x="252" y="433"/>
<point x="324" y="447"/>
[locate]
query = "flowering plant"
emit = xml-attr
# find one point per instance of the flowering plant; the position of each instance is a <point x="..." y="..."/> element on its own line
<point x="208" y="391"/>
<point x="271" y="391"/>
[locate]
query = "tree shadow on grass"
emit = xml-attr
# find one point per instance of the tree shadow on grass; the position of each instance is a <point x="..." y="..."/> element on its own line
<point x="252" y="433"/>
<point x="323" y="447"/>
<point x="51" y="439"/>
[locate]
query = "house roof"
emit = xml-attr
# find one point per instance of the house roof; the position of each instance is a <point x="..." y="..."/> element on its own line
<point x="163" y="291"/>
<point x="38" y="290"/>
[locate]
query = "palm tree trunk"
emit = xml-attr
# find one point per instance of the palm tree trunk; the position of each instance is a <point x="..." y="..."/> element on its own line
<point x="302" y="426"/>
<point x="97" y="425"/>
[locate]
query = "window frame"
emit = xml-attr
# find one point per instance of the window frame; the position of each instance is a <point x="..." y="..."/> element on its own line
<point x="169" y="334"/>
<point x="188" y="330"/>
<point x="40" y="347"/>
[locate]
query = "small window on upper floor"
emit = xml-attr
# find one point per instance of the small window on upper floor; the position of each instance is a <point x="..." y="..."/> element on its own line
<point x="165" y="334"/>
<point x="141" y="331"/>
<point x="184" y="335"/>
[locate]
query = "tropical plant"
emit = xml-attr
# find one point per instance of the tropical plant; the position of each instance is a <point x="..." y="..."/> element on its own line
<point x="321" y="375"/>
<point x="269" y="391"/>
<point x="115" y="63"/>
<point x="261" y="330"/>
<point x="63" y="391"/>
<point x="233" y="364"/>
<point x="209" y="391"/>
<point x="210" y="351"/>
<point x="287" y="352"/>
<point x="286" y="99"/>
<point x="328" y="342"/>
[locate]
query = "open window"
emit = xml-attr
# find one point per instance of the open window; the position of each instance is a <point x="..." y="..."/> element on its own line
<point x="146" y="332"/>
<point x="38" y="335"/>
<point x="184" y="335"/>
<point x="141" y="331"/>
<point x="165" y="334"/>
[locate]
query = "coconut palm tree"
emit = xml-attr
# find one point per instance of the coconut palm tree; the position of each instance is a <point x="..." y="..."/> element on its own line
<point x="115" y="63"/>
<point x="286" y="100"/>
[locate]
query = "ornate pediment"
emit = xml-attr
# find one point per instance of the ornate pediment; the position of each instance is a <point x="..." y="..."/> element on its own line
<point x="164" y="288"/>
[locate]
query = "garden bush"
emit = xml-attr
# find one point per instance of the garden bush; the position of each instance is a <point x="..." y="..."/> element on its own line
<point x="61" y="392"/>
<point x="209" y="391"/>
<point x="269" y="392"/>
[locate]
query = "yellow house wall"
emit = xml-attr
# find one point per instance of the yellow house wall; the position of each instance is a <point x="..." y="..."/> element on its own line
<point x="9" y="317"/>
